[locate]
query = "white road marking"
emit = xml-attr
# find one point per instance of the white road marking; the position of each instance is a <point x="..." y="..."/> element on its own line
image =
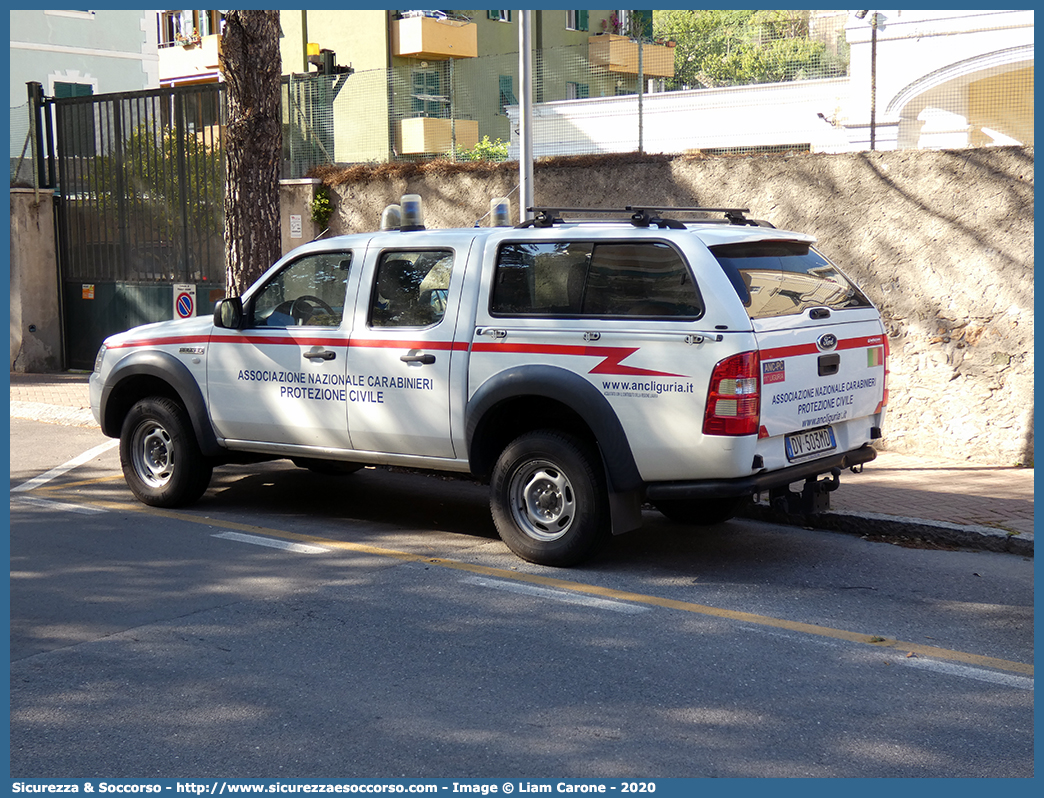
<point x="558" y="595"/>
<point x="895" y="656"/>
<point x="48" y="504"/>
<point x="968" y="672"/>
<point x="87" y="456"/>
<point x="273" y="543"/>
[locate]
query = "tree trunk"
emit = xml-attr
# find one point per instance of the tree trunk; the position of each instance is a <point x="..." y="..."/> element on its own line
<point x="252" y="69"/>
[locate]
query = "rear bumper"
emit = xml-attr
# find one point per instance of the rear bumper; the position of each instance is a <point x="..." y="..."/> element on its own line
<point x="758" y="483"/>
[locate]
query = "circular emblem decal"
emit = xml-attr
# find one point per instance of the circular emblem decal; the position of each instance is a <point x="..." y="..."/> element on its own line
<point x="828" y="341"/>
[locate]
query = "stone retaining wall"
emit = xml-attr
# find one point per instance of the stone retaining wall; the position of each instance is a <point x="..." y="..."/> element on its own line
<point x="942" y="241"/>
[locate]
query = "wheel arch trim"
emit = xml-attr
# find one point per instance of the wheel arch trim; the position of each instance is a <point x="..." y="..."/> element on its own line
<point x="166" y="368"/>
<point x="568" y="389"/>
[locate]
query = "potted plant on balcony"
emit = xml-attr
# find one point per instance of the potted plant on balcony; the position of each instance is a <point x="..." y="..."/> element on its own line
<point x="191" y="39"/>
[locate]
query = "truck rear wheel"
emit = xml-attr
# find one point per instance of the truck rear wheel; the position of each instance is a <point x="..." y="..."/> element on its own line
<point x="161" y="459"/>
<point x="548" y="498"/>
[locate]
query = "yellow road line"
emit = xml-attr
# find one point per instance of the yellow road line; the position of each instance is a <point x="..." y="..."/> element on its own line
<point x="591" y="590"/>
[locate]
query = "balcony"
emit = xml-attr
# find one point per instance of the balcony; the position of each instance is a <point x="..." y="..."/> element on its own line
<point x="431" y="136"/>
<point x="433" y="39"/>
<point x="620" y="54"/>
<point x="195" y="62"/>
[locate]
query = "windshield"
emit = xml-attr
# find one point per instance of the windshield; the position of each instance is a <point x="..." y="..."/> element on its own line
<point x="782" y="278"/>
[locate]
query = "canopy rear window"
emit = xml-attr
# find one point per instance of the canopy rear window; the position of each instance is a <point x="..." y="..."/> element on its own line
<point x="586" y="278"/>
<point x="782" y="278"/>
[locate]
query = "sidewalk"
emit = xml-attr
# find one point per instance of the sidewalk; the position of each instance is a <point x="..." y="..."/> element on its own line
<point x="900" y="496"/>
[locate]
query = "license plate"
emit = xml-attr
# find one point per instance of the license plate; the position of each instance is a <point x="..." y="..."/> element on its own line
<point x="809" y="442"/>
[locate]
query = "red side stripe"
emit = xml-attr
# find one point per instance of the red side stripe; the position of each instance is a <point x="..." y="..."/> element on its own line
<point x="178" y="339"/>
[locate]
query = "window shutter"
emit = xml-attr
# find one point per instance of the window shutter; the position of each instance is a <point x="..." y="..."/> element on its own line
<point x="581" y="20"/>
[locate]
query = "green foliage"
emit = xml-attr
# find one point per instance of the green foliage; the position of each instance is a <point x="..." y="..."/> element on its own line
<point x="485" y="150"/>
<point x="170" y="186"/>
<point x="322" y="207"/>
<point x="728" y="48"/>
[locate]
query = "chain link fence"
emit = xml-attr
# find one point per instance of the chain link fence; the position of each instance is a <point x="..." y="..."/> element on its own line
<point x="21" y="147"/>
<point x="700" y="82"/>
<point x="746" y="82"/>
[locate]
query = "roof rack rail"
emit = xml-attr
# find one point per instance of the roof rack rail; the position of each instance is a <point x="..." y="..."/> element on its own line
<point x="640" y="216"/>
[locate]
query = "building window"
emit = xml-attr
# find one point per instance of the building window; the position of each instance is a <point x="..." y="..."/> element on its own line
<point x="76" y="128"/>
<point x="427" y="97"/>
<point x="577" y="91"/>
<point x="63" y="90"/>
<point x="507" y="94"/>
<point x="576" y="20"/>
<point x="499" y="16"/>
<point x="636" y="23"/>
<point x="188" y="27"/>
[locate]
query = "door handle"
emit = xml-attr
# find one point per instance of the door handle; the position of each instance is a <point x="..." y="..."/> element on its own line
<point x="424" y="360"/>
<point x="324" y="354"/>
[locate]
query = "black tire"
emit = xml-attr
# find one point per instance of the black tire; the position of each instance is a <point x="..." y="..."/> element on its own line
<point x="329" y="468"/>
<point x="161" y="459"/>
<point x="548" y="498"/>
<point x="701" y="512"/>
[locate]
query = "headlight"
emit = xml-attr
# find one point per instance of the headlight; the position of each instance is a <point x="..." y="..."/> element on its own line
<point x="99" y="357"/>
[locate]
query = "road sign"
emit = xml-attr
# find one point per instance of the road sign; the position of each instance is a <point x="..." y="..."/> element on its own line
<point x="184" y="300"/>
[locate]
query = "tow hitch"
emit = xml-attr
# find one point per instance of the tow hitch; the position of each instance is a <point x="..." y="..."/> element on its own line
<point x="814" y="497"/>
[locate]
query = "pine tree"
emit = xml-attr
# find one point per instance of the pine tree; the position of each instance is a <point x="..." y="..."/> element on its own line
<point x="252" y="68"/>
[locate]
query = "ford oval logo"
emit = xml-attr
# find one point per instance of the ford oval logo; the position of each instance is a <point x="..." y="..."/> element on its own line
<point x="828" y="341"/>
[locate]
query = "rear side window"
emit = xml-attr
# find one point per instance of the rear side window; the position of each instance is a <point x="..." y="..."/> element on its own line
<point x="642" y="280"/>
<point x="782" y="278"/>
<point x="411" y="288"/>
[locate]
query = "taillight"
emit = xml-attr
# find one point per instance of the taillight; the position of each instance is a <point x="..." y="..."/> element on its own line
<point x="734" y="396"/>
<point x="884" y="380"/>
<point x="884" y="399"/>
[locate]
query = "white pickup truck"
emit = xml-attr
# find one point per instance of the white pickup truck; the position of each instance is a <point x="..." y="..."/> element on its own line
<point x="582" y="365"/>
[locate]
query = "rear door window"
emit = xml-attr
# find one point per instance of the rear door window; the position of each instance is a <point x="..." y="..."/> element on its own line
<point x="410" y="288"/>
<point x="612" y="279"/>
<point x="782" y="278"/>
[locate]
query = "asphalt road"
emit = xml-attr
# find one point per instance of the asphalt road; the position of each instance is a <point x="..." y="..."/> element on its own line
<point x="293" y="625"/>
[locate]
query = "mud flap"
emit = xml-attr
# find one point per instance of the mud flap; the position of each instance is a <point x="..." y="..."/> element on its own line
<point x="814" y="497"/>
<point x="625" y="510"/>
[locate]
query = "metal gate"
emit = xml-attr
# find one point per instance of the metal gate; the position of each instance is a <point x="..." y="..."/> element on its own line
<point x="140" y="185"/>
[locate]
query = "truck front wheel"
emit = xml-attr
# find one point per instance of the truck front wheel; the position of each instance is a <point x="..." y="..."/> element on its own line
<point x="548" y="498"/>
<point x="161" y="459"/>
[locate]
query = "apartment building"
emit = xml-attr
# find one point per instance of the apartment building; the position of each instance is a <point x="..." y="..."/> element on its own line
<point x="420" y="83"/>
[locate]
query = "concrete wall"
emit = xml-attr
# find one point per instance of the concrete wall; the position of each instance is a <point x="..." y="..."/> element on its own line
<point x="942" y="242"/>
<point x="35" y="329"/>
<point x="295" y="200"/>
<point x="677" y="121"/>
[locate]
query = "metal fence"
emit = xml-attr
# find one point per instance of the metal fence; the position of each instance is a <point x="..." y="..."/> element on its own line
<point x="141" y="179"/>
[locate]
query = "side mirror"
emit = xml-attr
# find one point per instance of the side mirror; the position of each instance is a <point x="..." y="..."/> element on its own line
<point x="228" y="313"/>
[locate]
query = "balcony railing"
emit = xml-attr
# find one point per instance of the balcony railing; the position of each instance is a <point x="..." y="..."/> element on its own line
<point x="434" y="136"/>
<point x="620" y="54"/>
<point x="434" y="38"/>
<point x="196" y="59"/>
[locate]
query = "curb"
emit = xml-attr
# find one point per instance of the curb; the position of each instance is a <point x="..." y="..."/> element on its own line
<point x="54" y="414"/>
<point x="971" y="536"/>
